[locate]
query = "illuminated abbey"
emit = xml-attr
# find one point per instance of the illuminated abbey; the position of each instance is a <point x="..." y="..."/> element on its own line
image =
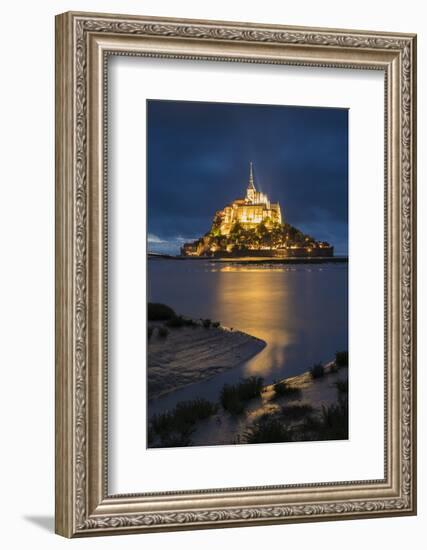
<point x="254" y="226"/>
<point x="249" y="211"/>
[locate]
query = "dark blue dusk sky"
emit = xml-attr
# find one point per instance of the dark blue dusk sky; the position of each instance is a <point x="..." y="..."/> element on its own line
<point x="198" y="161"/>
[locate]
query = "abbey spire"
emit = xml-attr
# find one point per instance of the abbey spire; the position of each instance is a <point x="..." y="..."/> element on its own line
<point x="251" y="191"/>
<point x="251" y="176"/>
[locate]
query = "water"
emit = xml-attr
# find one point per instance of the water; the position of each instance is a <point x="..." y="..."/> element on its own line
<point x="301" y="311"/>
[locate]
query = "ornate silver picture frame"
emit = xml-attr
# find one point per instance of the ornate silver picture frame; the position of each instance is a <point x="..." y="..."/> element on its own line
<point x="84" y="42"/>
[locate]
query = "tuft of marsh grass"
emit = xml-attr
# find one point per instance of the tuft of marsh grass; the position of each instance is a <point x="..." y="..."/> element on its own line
<point x="331" y="425"/>
<point x="335" y="420"/>
<point x="233" y="396"/>
<point x="342" y="386"/>
<point x="250" y="387"/>
<point x="230" y="399"/>
<point x="333" y="367"/>
<point x="296" y="412"/>
<point x="196" y="409"/>
<point x="190" y="323"/>
<point x="206" y="323"/>
<point x="159" y="312"/>
<point x="267" y="430"/>
<point x="150" y="436"/>
<point x="185" y="413"/>
<point x="175" y="427"/>
<point x="163" y="332"/>
<point x="341" y="359"/>
<point x="282" y="389"/>
<point x="178" y="321"/>
<point x="317" y="370"/>
<point x="175" y="322"/>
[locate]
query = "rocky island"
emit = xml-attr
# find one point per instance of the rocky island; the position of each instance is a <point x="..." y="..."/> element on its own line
<point x="254" y="226"/>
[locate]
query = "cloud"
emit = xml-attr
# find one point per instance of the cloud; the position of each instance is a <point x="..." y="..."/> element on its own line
<point x="167" y="246"/>
<point x="155" y="239"/>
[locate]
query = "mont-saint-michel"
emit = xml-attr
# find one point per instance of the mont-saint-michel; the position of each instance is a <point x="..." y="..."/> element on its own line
<point x="255" y="226"/>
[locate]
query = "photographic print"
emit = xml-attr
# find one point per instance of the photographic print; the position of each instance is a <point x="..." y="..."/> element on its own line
<point x="247" y="313"/>
<point x="235" y="274"/>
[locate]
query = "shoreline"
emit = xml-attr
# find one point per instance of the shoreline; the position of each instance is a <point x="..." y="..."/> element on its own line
<point x="194" y="354"/>
<point x="300" y="380"/>
<point x="254" y="259"/>
<point x="314" y="393"/>
<point x="306" y="400"/>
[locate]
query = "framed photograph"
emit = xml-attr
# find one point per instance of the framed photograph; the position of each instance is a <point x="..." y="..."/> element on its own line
<point x="235" y="274"/>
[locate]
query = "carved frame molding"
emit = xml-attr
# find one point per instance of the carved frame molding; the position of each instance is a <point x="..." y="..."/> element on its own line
<point x="83" y="43"/>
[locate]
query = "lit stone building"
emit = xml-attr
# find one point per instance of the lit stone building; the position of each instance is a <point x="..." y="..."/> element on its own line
<point x="236" y="231"/>
<point x="249" y="212"/>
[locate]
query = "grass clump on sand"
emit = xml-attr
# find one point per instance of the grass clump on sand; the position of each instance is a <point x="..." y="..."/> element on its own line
<point x="296" y="412"/>
<point x="163" y="332"/>
<point x="282" y="389"/>
<point x="177" y="321"/>
<point x="208" y="323"/>
<point x="174" y="427"/>
<point x="333" y="367"/>
<point x="232" y="397"/>
<point x="317" y="370"/>
<point x="331" y="425"/>
<point x="341" y="359"/>
<point x="159" y="312"/>
<point x="190" y="322"/>
<point x="335" y="420"/>
<point x="342" y="386"/>
<point x="267" y="430"/>
<point x="162" y="312"/>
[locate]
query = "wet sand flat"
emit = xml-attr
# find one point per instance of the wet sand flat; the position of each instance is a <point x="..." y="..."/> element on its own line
<point x="191" y="354"/>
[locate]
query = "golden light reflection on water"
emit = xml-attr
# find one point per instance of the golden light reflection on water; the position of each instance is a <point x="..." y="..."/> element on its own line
<point x="234" y="269"/>
<point x="248" y="268"/>
<point x="259" y="302"/>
